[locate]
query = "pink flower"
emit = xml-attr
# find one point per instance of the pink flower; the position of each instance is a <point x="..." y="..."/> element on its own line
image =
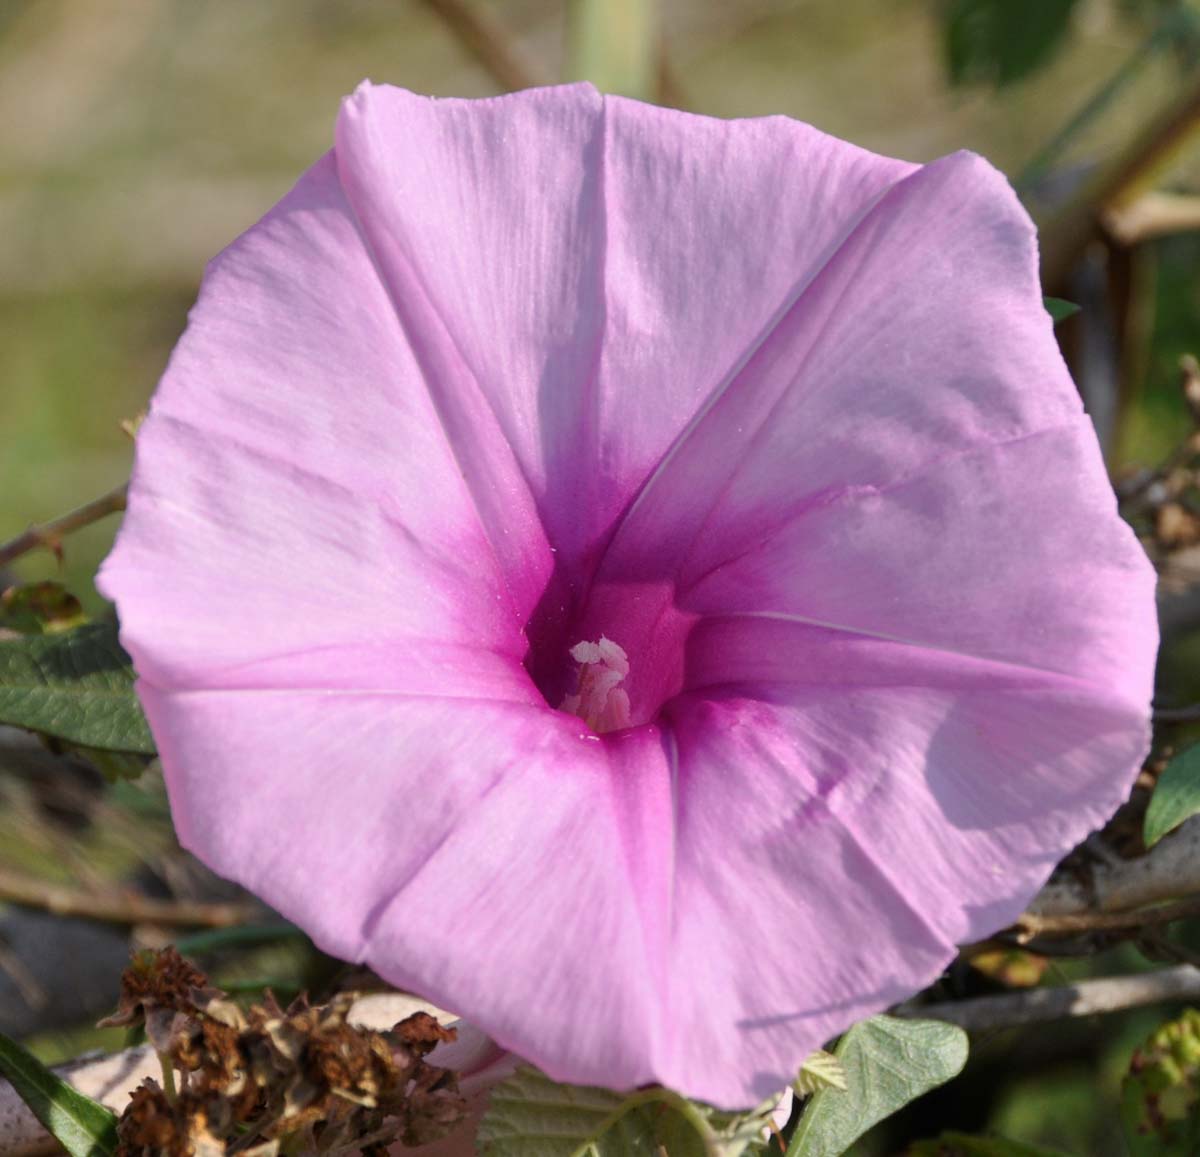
<point x="727" y="431"/>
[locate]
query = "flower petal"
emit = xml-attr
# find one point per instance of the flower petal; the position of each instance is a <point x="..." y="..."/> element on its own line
<point x="513" y="233"/>
<point x="786" y="927"/>
<point x="745" y="216"/>
<point x="486" y="221"/>
<point x="475" y="853"/>
<point x="1011" y="552"/>
<point x="855" y="835"/>
<point x="294" y="487"/>
<point x="572" y="851"/>
<point x="975" y="775"/>
<point x="922" y="336"/>
<point x="454" y="365"/>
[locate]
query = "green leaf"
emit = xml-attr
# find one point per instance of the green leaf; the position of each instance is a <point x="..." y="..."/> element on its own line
<point x="1002" y="41"/>
<point x="1060" y="310"/>
<point x="1160" y="1096"/>
<point x="529" y="1115"/>
<point x="83" y="1127"/>
<point x="968" y="1145"/>
<point x="1176" y="796"/>
<point x="888" y="1062"/>
<point x="76" y="686"/>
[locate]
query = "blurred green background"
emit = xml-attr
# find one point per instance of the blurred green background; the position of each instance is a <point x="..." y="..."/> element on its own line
<point x="138" y="137"/>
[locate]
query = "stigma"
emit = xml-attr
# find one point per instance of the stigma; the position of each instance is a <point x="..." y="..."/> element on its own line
<point x="600" y="701"/>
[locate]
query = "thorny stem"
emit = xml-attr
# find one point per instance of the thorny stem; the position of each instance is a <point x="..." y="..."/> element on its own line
<point x="49" y="535"/>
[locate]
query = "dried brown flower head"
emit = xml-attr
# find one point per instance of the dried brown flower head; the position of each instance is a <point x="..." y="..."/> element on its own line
<point x="150" y="1125"/>
<point x="157" y="978"/>
<point x="267" y="1079"/>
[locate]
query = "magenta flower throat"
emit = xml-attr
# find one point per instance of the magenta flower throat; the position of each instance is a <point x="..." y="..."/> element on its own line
<point x="642" y="582"/>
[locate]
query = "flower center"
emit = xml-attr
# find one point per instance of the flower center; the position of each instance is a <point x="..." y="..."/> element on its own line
<point x="600" y="700"/>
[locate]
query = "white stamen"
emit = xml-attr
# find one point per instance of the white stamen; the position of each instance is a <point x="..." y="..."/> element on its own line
<point x="586" y="652"/>
<point x="600" y="701"/>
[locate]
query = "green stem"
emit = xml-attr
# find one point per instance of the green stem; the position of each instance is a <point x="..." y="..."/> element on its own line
<point x="613" y="44"/>
<point x="168" y="1077"/>
<point x="237" y="936"/>
<point x="275" y="984"/>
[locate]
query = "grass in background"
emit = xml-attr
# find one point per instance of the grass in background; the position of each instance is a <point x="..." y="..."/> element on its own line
<point x="75" y="366"/>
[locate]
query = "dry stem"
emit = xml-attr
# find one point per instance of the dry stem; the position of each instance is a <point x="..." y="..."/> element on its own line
<point x="118" y="907"/>
<point x="50" y="534"/>
<point x="1033" y="924"/>
<point x="1087" y="998"/>
<point x="488" y="41"/>
<point x="1117" y="186"/>
<point x="1168" y="872"/>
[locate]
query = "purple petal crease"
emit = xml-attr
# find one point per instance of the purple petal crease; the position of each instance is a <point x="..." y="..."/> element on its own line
<point x="780" y="430"/>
